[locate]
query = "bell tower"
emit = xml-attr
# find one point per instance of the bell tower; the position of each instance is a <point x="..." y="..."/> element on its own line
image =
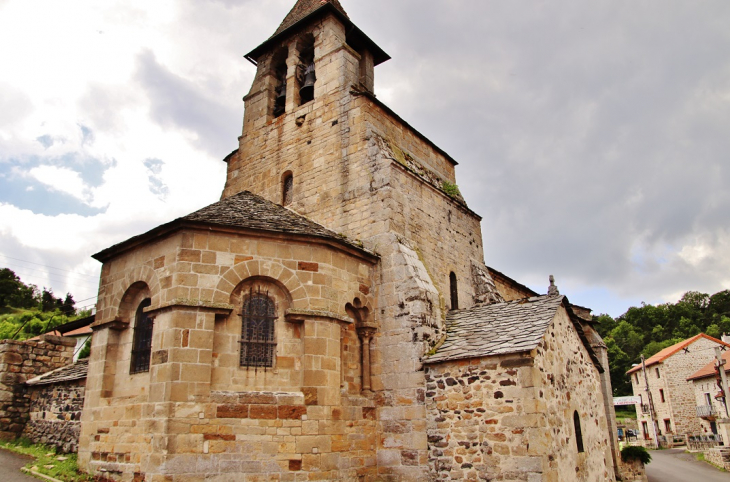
<point x="296" y="126"/>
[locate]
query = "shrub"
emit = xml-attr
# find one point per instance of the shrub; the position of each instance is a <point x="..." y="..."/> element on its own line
<point x="635" y="453"/>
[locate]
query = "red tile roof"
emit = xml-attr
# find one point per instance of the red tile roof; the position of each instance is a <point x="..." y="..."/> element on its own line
<point x="669" y="351"/>
<point x="709" y="369"/>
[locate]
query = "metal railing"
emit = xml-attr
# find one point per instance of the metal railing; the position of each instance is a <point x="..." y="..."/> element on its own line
<point x="706" y="411"/>
<point x="703" y="442"/>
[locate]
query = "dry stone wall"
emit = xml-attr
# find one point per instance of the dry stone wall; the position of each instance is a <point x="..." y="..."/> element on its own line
<point x="55" y="415"/>
<point x="20" y="361"/>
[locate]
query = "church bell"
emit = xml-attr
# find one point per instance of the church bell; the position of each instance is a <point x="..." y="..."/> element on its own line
<point x="307" y="91"/>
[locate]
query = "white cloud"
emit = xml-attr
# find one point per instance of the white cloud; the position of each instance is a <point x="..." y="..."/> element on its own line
<point x="62" y="180"/>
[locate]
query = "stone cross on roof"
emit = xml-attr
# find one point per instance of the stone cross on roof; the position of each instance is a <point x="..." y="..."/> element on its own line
<point x="552" y="289"/>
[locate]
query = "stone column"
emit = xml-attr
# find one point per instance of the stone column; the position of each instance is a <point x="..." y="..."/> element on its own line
<point x="366" y="332"/>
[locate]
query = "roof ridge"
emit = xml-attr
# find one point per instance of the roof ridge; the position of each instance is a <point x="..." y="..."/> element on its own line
<point x="662" y="355"/>
<point x="304" y="8"/>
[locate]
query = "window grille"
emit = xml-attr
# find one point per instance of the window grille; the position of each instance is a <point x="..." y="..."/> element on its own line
<point x="142" y="342"/>
<point x="578" y="432"/>
<point x="258" y="343"/>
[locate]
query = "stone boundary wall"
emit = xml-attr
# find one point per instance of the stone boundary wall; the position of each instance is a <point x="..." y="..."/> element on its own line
<point x="632" y="471"/>
<point x="55" y="414"/>
<point x="20" y="361"/>
<point x="719" y="457"/>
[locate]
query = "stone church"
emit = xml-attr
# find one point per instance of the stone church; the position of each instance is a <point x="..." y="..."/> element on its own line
<point x="332" y="317"/>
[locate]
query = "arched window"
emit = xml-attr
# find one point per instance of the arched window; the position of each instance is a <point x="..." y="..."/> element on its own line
<point x="258" y="343"/>
<point x="578" y="432"/>
<point x="454" y="292"/>
<point x="142" y="342"/>
<point x="287" y="189"/>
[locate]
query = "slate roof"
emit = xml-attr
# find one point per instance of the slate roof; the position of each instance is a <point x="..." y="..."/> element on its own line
<point x="309" y="10"/>
<point x="303" y="9"/>
<point x="497" y="329"/>
<point x="69" y="373"/>
<point x="244" y="210"/>
<point x="667" y="352"/>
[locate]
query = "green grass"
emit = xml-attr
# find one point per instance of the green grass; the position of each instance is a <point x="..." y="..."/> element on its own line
<point x="626" y="413"/>
<point x="44" y="457"/>
<point x="700" y="456"/>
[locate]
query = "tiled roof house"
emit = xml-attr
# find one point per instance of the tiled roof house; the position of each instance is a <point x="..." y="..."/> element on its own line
<point x="671" y="396"/>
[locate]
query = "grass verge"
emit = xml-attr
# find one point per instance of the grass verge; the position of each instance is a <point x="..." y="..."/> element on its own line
<point x="47" y="461"/>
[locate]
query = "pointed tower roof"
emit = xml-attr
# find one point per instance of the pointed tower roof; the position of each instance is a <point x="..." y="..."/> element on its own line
<point x="303" y="9"/>
<point x="306" y="11"/>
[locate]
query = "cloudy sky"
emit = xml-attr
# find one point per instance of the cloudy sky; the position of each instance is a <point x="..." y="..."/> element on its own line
<point x="593" y="137"/>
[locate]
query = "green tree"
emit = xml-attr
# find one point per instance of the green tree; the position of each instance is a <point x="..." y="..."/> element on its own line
<point x="618" y="365"/>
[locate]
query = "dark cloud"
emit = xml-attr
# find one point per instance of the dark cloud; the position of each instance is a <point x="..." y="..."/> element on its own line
<point x="592" y="137"/>
<point x="177" y="102"/>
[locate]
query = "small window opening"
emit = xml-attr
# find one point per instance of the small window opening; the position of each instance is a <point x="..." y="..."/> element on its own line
<point x="142" y="341"/>
<point x="306" y="75"/>
<point x="454" y="292"/>
<point x="661" y="395"/>
<point x="636" y="377"/>
<point x="708" y="399"/>
<point x="258" y="343"/>
<point x="657" y="373"/>
<point x="279" y="71"/>
<point x="287" y="189"/>
<point x="578" y="432"/>
<point x="668" y="425"/>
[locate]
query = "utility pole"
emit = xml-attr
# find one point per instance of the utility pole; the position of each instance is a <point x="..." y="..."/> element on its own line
<point x="650" y="402"/>
<point x="723" y="377"/>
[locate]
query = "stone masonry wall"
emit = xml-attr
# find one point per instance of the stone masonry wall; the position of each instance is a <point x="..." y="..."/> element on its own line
<point x="197" y="412"/>
<point x="20" y="361"/>
<point x="708" y="386"/>
<point x="679" y="406"/>
<point x="510" y="417"/>
<point x="55" y="415"/>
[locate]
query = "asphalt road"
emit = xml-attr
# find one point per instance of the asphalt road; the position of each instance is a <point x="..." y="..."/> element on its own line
<point x="10" y="464"/>
<point x="677" y="466"/>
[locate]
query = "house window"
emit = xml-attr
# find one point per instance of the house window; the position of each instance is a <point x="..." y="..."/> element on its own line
<point x="661" y="395"/>
<point x="142" y="341"/>
<point x="657" y="373"/>
<point x="578" y="432"/>
<point x="645" y="429"/>
<point x="258" y="343"/>
<point x="454" y="292"/>
<point x="636" y="377"/>
<point x="708" y="399"/>
<point x="668" y="425"/>
<point x="287" y="189"/>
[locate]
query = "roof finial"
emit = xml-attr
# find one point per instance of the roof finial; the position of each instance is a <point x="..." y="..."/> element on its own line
<point x="552" y="289"/>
